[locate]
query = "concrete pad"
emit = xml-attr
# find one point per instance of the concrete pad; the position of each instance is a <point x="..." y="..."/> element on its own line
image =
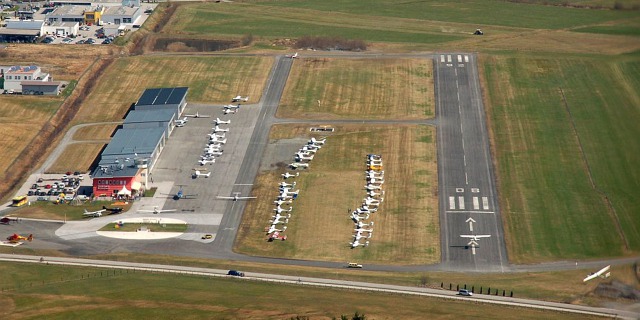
<point x="138" y="235"/>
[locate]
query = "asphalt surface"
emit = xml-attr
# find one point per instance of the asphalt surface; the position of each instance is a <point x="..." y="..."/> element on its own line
<point x="468" y="197"/>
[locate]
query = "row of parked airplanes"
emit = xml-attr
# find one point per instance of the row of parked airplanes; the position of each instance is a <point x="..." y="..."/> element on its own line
<point x="370" y="204"/>
<point x="287" y="195"/>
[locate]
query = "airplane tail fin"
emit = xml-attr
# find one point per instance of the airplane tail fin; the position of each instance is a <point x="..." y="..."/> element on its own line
<point x="30" y="237"/>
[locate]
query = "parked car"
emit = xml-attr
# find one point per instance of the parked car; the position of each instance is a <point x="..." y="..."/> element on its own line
<point x="67" y="40"/>
<point x="235" y="273"/>
<point x="30" y="193"/>
<point x="354" y="265"/>
<point x="465" y="292"/>
<point x="80" y="42"/>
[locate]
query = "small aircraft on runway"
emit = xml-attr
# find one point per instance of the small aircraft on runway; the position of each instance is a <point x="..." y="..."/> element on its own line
<point x="292" y="56"/>
<point x="97" y="213"/>
<point x="602" y="273"/>
<point x="356" y="243"/>
<point x="181" y="122"/>
<point x="218" y="121"/>
<point x="181" y="195"/>
<point x="475" y="237"/>
<point x="240" y="98"/>
<point x="15" y="238"/>
<point x="288" y="175"/>
<point x="197" y="115"/>
<point x="156" y="210"/>
<point x="114" y="210"/>
<point x="236" y="196"/>
<point x="198" y="174"/>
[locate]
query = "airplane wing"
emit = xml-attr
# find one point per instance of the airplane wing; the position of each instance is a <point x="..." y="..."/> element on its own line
<point x="168" y="210"/>
<point x="151" y="211"/>
<point x="221" y="197"/>
<point x="598" y="274"/>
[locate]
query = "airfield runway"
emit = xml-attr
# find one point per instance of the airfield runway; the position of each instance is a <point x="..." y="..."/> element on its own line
<point x="468" y="197"/>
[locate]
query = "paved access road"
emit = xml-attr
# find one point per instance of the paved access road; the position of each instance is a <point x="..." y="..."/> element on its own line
<point x="468" y="197"/>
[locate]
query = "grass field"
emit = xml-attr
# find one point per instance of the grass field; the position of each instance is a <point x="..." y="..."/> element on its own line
<point x="549" y="206"/>
<point x="63" y="292"/>
<point x="212" y="80"/>
<point x="153" y="227"/>
<point x="76" y="157"/>
<point x="95" y="132"/>
<point x="50" y="210"/>
<point x="406" y="226"/>
<point x="361" y="89"/>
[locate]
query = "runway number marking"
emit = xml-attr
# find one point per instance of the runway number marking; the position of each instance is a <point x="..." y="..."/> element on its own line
<point x="475" y="190"/>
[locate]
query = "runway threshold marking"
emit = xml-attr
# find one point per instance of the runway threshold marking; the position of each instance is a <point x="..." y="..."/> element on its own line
<point x="476" y="203"/>
<point x="461" y="203"/>
<point x="469" y="211"/>
<point x="452" y="202"/>
<point x="485" y="203"/>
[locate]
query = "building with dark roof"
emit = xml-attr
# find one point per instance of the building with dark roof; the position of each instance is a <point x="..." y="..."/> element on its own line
<point x="163" y="118"/>
<point x="163" y="98"/>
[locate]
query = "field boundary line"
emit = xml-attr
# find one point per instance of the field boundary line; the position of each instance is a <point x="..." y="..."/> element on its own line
<point x="612" y="210"/>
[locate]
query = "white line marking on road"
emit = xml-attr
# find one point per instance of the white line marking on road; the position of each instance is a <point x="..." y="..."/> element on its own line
<point x="459" y="58"/>
<point x="461" y="203"/>
<point x="449" y="58"/>
<point x="464" y="157"/>
<point x="459" y="190"/>
<point x="442" y="58"/>
<point x="469" y="211"/>
<point x="485" y="203"/>
<point x="466" y="58"/>
<point x="476" y="203"/>
<point x="475" y="190"/>
<point x="466" y="179"/>
<point x="452" y="203"/>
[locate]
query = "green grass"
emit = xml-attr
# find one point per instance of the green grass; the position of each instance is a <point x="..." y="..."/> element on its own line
<point x="550" y="209"/>
<point x="69" y="89"/>
<point x="612" y="30"/>
<point x="51" y="210"/>
<point x="133" y="227"/>
<point x="479" y="12"/>
<point x="64" y="292"/>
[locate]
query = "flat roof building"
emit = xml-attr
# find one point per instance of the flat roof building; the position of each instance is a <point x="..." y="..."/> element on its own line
<point x="163" y="98"/>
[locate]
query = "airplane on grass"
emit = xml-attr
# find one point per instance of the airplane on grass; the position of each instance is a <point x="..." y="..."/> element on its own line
<point x="276" y="236"/>
<point x="356" y="217"/>
<point x="356" y="243"/>
<point x="198" y="174"/>
<point x="372" y="193"/>
<point x="156" y="211"/>
<point x="97" y="213"/>
<point x="280" y="202"/>
<point x="280" y="210"/>
<point x="288" y="175"/>
<point x="300" y="157"/>
<point x="218" y="121"/>
<point x="285" y="185"/>
<point x="197" y="115"/>
<point x="297" y="165"/>
<point x="277" y="217"/>
<point x="240" y="98"/>
<point x="371" y="187"/>
<point x="181" y="195"/>
<point x="292" y="56"/>
<point x="114" y="210"/>
<point x="15" y="238"/>
<point x="236" y="196"/>
<point x="602" y="273"/>
<point x="273" y="228"/>
<point x="359" y="236"/>
<point x="181" y="122"/>
<point x="361" y="230"/>
<point x="313" y="141"/>
<point x="359" y="224"/>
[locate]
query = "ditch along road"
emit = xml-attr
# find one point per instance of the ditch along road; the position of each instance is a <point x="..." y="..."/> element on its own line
<point x="490" y="256"/>
<point x="325" y="283"/>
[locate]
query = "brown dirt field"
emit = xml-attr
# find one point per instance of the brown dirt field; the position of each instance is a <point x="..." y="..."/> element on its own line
<point x="95" y="132"/>
<point x="213" y="80"/>
<point x="406" y="226"/>
<point x="360" y="88"/>
<point x="76" y="157"/>
<point x="63" y="62"/>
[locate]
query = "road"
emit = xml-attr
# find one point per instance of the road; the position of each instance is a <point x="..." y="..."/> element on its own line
<point x="328" y="283"/>
<point x="468" y="198"/>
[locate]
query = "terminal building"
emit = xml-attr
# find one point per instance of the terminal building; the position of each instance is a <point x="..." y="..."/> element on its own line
<point x="131" y="154"/>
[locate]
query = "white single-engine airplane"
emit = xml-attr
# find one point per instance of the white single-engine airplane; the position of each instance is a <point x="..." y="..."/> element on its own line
<point x="218" y="121"/>
<point x="156" y="211"/>
<point x="292" y="56"/>
<point x="297" y="165"/>
<point x="284" y="184"/>
<point x="288" y="175"/>
<point x="274" y="229"/>
<point x="218" y="129"/>
<point x="197" y="115"/>
<point x="97" y="213"/>
<point x="240" y="98"/>
<point x="357" y="243"/>
<point x="277" y="217"/>
<point x="602" y="273"/>
<point x="279" y="210"/>
<point x="236" y="196"/>
<point x="281" y="202"/>
<point x="356" y="217"/>
<point x="475" y="237"/>
<point x="181" y="122"/>
<point x="313" y="141"/>
<point x="205" y="161"/>
<point x="198" y="174"/>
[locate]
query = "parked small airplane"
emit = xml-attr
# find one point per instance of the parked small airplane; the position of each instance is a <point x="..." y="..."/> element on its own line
<point x="218" y="121"/>
<point x="240" y="98"/>
<point x="181" y="195"/>
<point x="279" y="209"/>
<point x="273" y="228"/>
<point x="181" y="122"/>
<point x="285" y="191"/>
<point x="216" y="136"/>
<point x="296" y="165"/>
<point x="218" y="129"/>
<point x="372" y="187"/>
<point x="276" y="236"/>
<point x="288" y="175"/>
<point x="375" y="167"/>
<point x="284" y="184"/>
<point x="313" y="141"/>
<point x="374" y="156"/>
<point x="156" y="211"/>
<point x="210" y="162"/>
<point x="114" y="210"/>
<point x="284" y="196"/>
<point x="374" y="194"/>
<point x="292" y="56"/>
<point x="217" y="140"/>
<point x="357" y="243"/>
<point x="359" y="224"/>
<point x="227" y="111"/>
<point x="214" y="147"/>
<point x="15" y="238"/>
<point x="213" y="152"/>
<point x="277" y="217"/>
<point x="197" y="115"/>
<point x="236" y="197"/>
<point x="361" y="230"/>
<point x="198" y="174"/>
<point x="300" y="157"/>
<point x="281" y="202"/>
<point x="374" y="174"/>
<point x="602" y="273"/>
<point x="97" y="213"/>
<point x="356" y="217"/>
<point x="309" y="149"/>
<point x="358" y="236"/>
<point x="365" y="210"/>
<point x="375" y="181"/>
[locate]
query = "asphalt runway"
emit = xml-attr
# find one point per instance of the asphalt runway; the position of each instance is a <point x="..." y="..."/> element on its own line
<point x="468" y="196"/>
